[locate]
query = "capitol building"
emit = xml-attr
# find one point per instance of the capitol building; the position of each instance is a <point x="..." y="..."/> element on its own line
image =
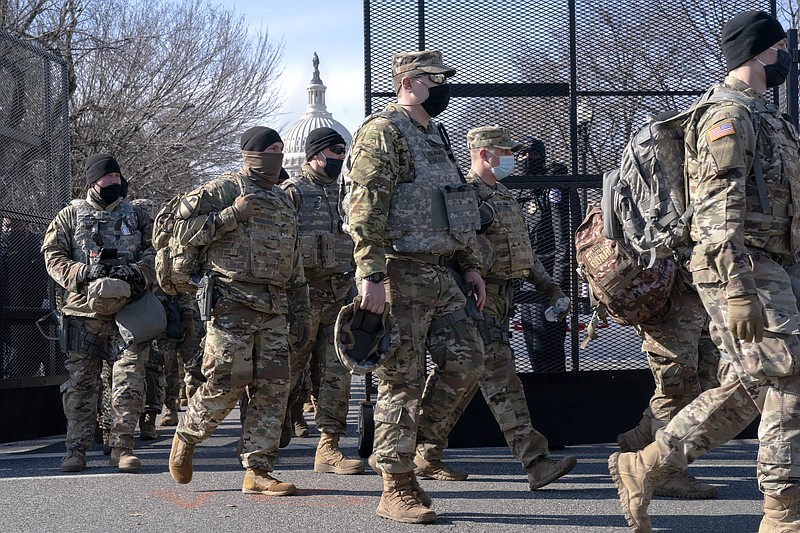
<point x="316" y="116"/>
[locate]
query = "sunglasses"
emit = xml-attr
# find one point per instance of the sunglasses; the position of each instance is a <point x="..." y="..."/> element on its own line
<point x="438" y="79"/>
<point x="338" y="150"/>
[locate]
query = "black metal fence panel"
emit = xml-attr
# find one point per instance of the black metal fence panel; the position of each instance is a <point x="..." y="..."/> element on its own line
<point x="34" y="184"/>
<point x="572" y="80"/>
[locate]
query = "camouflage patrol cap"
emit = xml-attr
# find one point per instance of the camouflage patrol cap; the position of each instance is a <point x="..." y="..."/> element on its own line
<point x="491" y="136"/>
<point x="429" y="61"/>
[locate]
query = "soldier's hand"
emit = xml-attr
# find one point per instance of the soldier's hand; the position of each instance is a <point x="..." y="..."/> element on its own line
<point x="129" y="273"/>
<point x="474" y="277"/>
<point x="243" y="206"/>
<point x="303" y="341"/>
<point x="746" y="318"/>
<point x="96" y="271"/>
<point x="373" y="296"/>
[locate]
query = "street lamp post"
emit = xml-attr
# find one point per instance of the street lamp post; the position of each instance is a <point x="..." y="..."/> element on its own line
<point x="584" y="115"/>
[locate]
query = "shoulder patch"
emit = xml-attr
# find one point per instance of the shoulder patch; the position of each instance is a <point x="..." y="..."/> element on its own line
<point x="723" y="129"/>
<point x="187" y="206"/>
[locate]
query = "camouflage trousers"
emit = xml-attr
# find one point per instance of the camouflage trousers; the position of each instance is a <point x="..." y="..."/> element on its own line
<point x="327" y="298"/>
<point x="248" y="350"/>
<point x="501" y="388"/>
<point x="79" y="393"/>
<point x="767" y="378"/>
<point x="421" y="293"/>
<point x="681" y="354"/>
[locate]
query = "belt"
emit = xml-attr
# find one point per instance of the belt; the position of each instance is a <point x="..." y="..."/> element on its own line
<point x="433" y="259"/>
<point x="501" y="284"/>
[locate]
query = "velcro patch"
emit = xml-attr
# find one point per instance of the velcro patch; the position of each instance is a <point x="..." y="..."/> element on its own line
<point x="720" y="130"/>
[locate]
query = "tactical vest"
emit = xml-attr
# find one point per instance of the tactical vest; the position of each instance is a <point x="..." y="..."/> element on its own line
<point x="98" y="229"/>
<point x="259" y="250"/>
<point x="326" y="249"/>
<point x="436" y="212"/>
<point x="778" y="230"/>
<point x="508" y="234"/>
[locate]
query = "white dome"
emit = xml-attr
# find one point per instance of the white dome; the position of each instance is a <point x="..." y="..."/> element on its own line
<point x="316" y="116"/>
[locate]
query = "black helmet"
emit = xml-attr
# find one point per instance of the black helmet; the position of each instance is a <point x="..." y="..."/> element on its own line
<point x="364" y="340"/>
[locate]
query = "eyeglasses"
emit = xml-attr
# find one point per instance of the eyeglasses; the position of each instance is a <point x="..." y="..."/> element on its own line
<point x="438" y="79"/>
<point x="336" y="149"/>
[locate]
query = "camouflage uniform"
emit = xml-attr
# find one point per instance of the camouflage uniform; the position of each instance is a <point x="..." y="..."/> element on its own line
<point x="501" y="387"/>
<point x="681" y="355"/>
<point x="400" y="227"/>
<point x="68" y="244"/>
<point x="328" y="263"/>
<point x="739" y="252"/>
<point x="258" y="275"/>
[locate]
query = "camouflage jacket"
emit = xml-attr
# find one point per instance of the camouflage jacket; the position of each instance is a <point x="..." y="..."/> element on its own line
<point x="508" y="237"/>
<point x="212" y="221"/>
<point x="377" y="163"/>
<point x="728" y="224"/>
<point x="69" y="272"/>
<point x="326" y="249"/>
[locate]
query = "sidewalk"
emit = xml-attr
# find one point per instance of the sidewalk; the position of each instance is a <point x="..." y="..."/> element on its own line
<point x="36" y="496"/>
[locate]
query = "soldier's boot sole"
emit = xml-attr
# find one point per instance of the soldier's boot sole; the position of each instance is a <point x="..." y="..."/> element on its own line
<point x="326" y="468"/>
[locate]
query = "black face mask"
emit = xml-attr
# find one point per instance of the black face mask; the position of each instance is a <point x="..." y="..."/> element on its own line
<point x="110" y="193"/>
<point x="776" y="72"/>
<point x="333" y="167"/>
<point x="438" y="98"/>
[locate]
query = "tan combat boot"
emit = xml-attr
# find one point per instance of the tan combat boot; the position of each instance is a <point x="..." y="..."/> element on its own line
<point x="418" y="492"/>
<point x="180" y="460"/>
<point x="637" y="438"/>
<point x="124" y="459"/>
<point x="74" y="461"/>
<point x="546" y="470"/>
<point x="257" y="481"/>
<point x="436" y="469"/>
<point x="298" y="420"/>
<point x="635" y="475"/>
<point x="170" y="418"/>
<point x="147" y="426"/>
<point x="398" y="502"/>
<point x="781" y="514"/>
<point x="329" y="459"/>
<point x="686" y="487"/>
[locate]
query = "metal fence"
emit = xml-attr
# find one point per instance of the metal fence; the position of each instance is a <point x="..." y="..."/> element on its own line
<point x="572" y="79"/>
<point x="34" y="184"/>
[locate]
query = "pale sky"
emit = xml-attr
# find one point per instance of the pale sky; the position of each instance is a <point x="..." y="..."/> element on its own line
<point x="334" y="30"/>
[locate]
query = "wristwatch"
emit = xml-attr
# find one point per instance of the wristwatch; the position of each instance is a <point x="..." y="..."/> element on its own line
<point x="375" y="277"/>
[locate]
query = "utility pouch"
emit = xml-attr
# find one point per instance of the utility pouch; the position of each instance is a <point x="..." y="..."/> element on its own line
<point x="461" y="204"/>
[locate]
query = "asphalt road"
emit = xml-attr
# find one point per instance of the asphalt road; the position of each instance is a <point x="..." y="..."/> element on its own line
<point x="36" y="496"/>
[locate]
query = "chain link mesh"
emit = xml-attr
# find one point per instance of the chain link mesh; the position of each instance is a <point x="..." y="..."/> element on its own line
<point x="34" y="184"/>
<point x="580" y="76"/>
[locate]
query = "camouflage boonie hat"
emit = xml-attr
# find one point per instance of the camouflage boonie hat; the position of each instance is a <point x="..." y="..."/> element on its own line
<point x="429" y="61"/>
<point x="491" y="136"/>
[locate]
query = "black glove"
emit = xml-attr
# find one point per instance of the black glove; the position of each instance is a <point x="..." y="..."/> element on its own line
<point x="128" y="273"/>
<point x="96" y="271"/>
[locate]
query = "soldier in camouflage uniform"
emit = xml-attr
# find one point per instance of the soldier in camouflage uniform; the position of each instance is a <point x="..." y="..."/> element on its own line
<point x="740" y="146"/>
<point x="99" y="250"/>
<point x="491" y="154"/>
<point x="328" y="263"/>
<point x="410" y="213"/>
<point x="256" y="274"/>
<point x="684" y="362"/>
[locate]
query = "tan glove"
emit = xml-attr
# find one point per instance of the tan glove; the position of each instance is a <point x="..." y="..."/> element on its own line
<point x="746" y="318"/>
<point x="303" y="341"/>
<point x="243" y="207"/>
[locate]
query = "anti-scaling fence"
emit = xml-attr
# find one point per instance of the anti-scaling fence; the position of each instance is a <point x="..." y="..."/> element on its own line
<point x="572" y="80"/>
<point x="34" y="184"/>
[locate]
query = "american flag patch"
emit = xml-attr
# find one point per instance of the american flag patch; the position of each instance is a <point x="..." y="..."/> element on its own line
<point x="720" y="130"/>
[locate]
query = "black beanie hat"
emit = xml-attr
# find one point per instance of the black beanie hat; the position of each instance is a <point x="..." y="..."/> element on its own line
<point x="98" y="165"/>
<point x="322" y="138"/>
<point x="748" y="34"/>
<point x="257" y="138"/>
